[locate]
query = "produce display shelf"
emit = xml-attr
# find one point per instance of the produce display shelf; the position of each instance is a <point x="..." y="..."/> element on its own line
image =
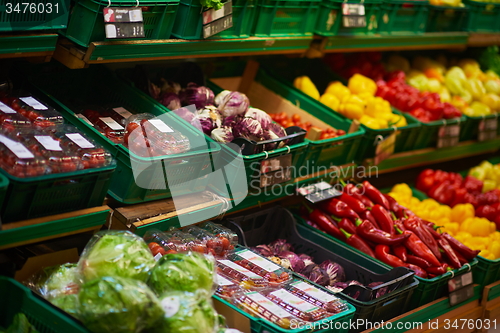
<point x="430" y="156"/>
<point x="49" y="227"/>
<point x="483" y="39"/>
<point x="27" y="45"/>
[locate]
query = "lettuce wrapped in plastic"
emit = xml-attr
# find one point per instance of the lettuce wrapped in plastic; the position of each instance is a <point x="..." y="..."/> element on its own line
<point x="187" y="313"/>
<point x="118" y="305"/>
<point x="116" y="254"/>
<point x="183" y="272"/>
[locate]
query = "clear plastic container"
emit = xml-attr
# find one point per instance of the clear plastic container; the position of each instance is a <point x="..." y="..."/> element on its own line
<point x="104" y="123"/>
<point x="155" y="139"/>
<point x="226" y="288"/>
<point x="295" y="305"/>
<point x="10" y="119"/>
<point x="316" y="296"/>
<point x="41" y="115"/>
<point x="217" y="246"/>
<point x="275" y="274"/>
<point x="183" y="242"/>
<point x="221" y="231"/>
<point x="157" y="237"/>
<point x="120" y="114"/>
<point x="19" y="161"/>
<point x="260" y="306"/>
<point x="245" y="278"/>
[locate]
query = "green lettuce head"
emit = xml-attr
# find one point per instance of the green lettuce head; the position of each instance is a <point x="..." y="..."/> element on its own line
<point x="116" y="254"/>
<point x="183" y="272"/>
<point x="118" y="305"/>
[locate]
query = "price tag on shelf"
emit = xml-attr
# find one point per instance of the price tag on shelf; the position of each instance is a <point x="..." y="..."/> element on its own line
<point x="215" y="21"/>
<point x="123" y="22"/>
<point x="112" y="123"/>
<point x="448" y="136"/>
<point x="318" y="192"/>
<point x="461" y="295"/>
<point x="460" y="281"/>
<point x="123" y="112"/>
<point x="275" y="170"/>
<point x="487" y="129"/>
<point x="80" y="140"/>
<point x="85" y="119"/>
<point x="385" y="148"/>
<point x="353" y="15"/>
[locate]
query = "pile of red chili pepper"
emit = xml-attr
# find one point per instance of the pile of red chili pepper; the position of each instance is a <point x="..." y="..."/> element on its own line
<point x="451" y="189"/>
<point x="377" y="225"/>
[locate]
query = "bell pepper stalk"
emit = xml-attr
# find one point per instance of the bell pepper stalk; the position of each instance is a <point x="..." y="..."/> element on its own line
<point x="459" y="247"/>
<point x="353" y="203"/>
<point x="353" y="191"/>
<point x="358" y="243"/>
<point x="400" y="252"/>
<point x="382" y="254"/>
<point x="414" y="224"/>
<point x="418" y="261"/>
<point x="419" y="271"/>
<point x="375" y="195"/>
<point x="368" y="232"/>
<point x="340" y="209"/>
<point x="325" y="223"/>
<point x="367" y="215"/>
<point x="383" y="218"/>
<point x="418" y="248"/>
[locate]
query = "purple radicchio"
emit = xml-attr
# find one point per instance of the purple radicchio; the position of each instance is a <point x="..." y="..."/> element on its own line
<point x="248" y="128"/>
<point x="334" y="271"/>
<point x="200" y="96"/>
<point x="233" y="103"/>
<point x="264" y="250"/>
<point x="222" y="134"/>
<point x="231" y="121"/>
<point x="296" y="263"/>
<point x="306" y="259"/>
<point x="280" y="245"/>
<point x="380" y="291"/>
<point x="337" y="287"/>
<point x="169" y="86"/>
<point x="170" y="100"/>
<point x="262" y="117"/>
<point x="209" y="118"/>
<point x="316" y="274"/>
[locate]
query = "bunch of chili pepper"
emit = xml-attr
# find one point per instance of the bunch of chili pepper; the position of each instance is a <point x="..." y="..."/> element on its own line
<point x="374" y="223"/>
<point x="451" y="189"/>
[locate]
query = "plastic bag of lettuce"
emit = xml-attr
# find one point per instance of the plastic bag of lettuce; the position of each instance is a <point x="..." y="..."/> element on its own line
<point x="107" y="288"/>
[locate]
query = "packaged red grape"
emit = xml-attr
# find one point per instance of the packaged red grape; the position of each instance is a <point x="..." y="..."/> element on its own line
<point x="297" y="306"/>
<point x="256" y="263"/>
<point x="221" y="231"/>
<point x="40" y="115"/>
<point x="11" y="120"/>
<point x="217" y="246"/>
<point x="19" y="161"/>
<point x="226" y="288"/>
<point x="245" y="278"/>
<point x="316" y="296"/>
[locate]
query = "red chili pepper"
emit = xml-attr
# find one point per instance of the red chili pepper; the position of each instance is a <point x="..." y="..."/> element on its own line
<point x="353" y="203"/>
<point x="367" y="215"/>
<point x="415" y="245"/>
<point x="326" y="223"/>
<point x="461" y="258"/>
<point x="465" y="251"/>
<point x="430" y="227"/>
<point x="375" y="195"/>
<point x="399" y="226"/>
<point x="418" y="261"/>
<point x="383" y="218"/>
<point x="414" y="224"/>
<point x="419" y="271"/>
<point x="382" y="254"/>
<point x="425" y="180"/>
<point x="340" y="209"/>
<point x="449" y="253"/>
<point x="394" y="206"/>
<point x="367" y="231"/>
<point x="347" y="225"/>
<point x="352" y="190"/>
<point x="400" y="252"/>
<point x="358" y="243"/>
<point x="436" y="270"/>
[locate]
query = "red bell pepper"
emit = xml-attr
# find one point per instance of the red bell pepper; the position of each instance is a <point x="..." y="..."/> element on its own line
<point x="419" y="271"/>
<point x="339" y="209"/>
<point x="400" y="252"/>
<point x="418" y="261"/>
<point x="425" y="180"/>
<point x="455" y="179"/>
<point x="472" y="199"/>
<point x="459" y="196"/>
<point x="326" y="223"/>
<point x="384" y="219"/>
<point x="488" y="198"/>
<point x="367" y="231"/>
<point x="367" y="215"/>
<point x="353" y="203"/>
<point x="415" y="224"/>
<point x="375" y="195"/>
<point x="486" y="211"/>
<point x="443" y="192"/>
<point x="358" y="243"/>
<point x="458" y="246"/>
<point x="473" y="185"/>
<point x="382" y="254"/>
<point x="415" y="245"/>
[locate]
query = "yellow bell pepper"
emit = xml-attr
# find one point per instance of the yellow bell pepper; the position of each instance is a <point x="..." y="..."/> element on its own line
<point x="369" y="122"/>
<point x="402" y="189"/>
<point x="352" y="107"/>
<point x="338" y="90"/>
<point x="330" y="100"/>
<point x="461" y="212"/>
<point x="495" y="248"/>
<point x="361" y="84"/>
<point x="304" y="84"/>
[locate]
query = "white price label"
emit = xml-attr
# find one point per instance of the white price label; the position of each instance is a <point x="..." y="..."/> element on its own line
<point x="158" y="256"/>
<point x="161" y="126"/>
<point x="256" y="259"/>
<point x="80" y="140"/>
<point x="123" y="112"/>
<point x="48" y="142"/>
<point x="170" y="305"/>
<point x="35" y="104"/>
<point x="85" y="119"/>
<point x="314" y="292"/>
<point x="222" y="281"/>
<point x="240" y="269"/>
<point x="112" y="123"/>
<point x="268" y="305"/>
<point x="135" y="15"/>
<point x="294" y="301"/>
<point x="16" y="147"/>
<point x="6" y="109"/>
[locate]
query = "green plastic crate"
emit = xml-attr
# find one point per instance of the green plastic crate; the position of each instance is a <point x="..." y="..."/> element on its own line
<point x="428" y="133"/>
<point x="70" y="89"/>
<point x="483" y="16"/>
<point x="188" y="23"/>
<point x="447" y="19"/>
<point x="86" y="24"/>
<point x="329" y="22"/>
<point x="17" y="298"/>
<point x="403" y="17"/>
<point x="34" y="18"/>
<point x="285" y="18"/>
<point x="4" y="184"/>
<point x="469" y="130"/>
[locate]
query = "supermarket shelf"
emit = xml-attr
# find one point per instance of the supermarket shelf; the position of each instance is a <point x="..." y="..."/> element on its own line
<point x="27" y="45"/>
<point x="429" y="156"/>
<point x="481" y="40"/>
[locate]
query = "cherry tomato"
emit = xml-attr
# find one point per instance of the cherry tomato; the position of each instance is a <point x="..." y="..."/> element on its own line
<point x="225" y="242"/>
<point x="295" y="118"/>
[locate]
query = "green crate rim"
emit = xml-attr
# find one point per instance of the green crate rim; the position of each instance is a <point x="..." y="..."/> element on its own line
<point x="473" y="3"/>
<point x="132" y="3"/>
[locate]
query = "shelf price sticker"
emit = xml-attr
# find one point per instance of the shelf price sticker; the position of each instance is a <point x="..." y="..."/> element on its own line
<point x="318" y="192"/>
<point x="123" y="22"/>
<point x="353" y="15"/>
<point x="487" y="129"/>
<point x="275" y="170"/>
<point x="384" y="147"/>
<point x="215" y="21"/>
<point x="448" y="136"/>
<point x="460" y="288"/>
